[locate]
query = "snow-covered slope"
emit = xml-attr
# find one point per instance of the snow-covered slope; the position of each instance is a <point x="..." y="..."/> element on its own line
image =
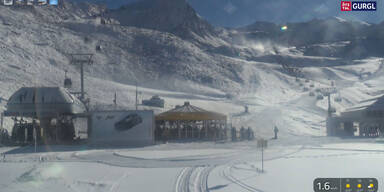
<point x="222" y="74"/>
<point x="46" y="35"/>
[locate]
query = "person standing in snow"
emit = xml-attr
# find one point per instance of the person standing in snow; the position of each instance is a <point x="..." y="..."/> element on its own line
<point x="165" y="135"/>
<point x="242" y="133"/>
<point x="276" y="130"/>
<point x="233" y="134"/>
<point x="249" y="133"/>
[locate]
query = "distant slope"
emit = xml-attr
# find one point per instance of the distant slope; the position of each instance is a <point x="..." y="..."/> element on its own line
<point x="332" y="37"/>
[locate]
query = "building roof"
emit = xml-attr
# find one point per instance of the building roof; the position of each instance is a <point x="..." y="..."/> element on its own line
<point x="370" y="108"/>
<point x="376" y="103"/>
<point x="43" y="101"/>
<point x="190" y="112"/>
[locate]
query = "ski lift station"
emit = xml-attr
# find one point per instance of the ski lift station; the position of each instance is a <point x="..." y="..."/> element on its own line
<point x="53" y="115"/>
<point x="364" y="120"/>
<point x="49" y="113"/>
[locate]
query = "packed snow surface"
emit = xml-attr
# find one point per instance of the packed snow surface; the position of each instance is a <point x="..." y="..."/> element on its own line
<point x="220" y="167"/>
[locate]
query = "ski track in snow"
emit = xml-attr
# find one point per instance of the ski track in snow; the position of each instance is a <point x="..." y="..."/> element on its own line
<point x="193" y="179"/>
<point x="227" y="172"/>
<point x="116" y="184"/>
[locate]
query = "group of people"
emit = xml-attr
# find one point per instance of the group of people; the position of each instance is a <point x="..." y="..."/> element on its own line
<point x="372" y="131"/>
<point x="244" y="134"/>
<point x="189" y="132"/>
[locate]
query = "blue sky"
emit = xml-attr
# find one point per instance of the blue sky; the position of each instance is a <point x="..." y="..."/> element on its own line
<point x="235" y="13"/>
<point x="243" y="12"/>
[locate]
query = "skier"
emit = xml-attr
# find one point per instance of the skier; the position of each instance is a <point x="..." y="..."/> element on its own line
<point x="276" y="130"/>
<point x="249" y="133"/>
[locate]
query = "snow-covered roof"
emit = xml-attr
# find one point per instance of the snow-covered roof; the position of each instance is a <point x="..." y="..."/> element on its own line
<point x="190" y="112"/>
<point x="376" y="103"/>
<point x="187" y="108"/>
<point x="371" y="108"/>
<point x="49" y="95"/>
<point x="43" y="101"/>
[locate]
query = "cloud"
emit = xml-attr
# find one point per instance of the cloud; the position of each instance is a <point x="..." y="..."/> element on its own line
<point x="230" y="8"/>
<point x="322" y="9"/>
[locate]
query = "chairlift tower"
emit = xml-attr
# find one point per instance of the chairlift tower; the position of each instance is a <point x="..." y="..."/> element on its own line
<point x="81" y="59"/>
<point x="328" y="91"/>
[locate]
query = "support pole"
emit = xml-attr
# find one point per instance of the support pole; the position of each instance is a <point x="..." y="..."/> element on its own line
<point x="136" y="97"/>
<point x="2" y="121"/>
<point x="34" y="134"/>
<point x="206" y="129"/>
<point x="25" y="133"/>
<point x="262" y="157"/>
<point x="186" y="129"/>
<point x="1" y="126"/>
<point x="115" y="100"/>
<point x="193" y="127"/>
<point x="82" y="80"/>
<point x="329" y="105"/>
<point x="81" y="59"/>
<point x="178" y="129"/>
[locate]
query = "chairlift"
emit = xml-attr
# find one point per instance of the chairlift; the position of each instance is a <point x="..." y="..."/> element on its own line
<point x="312" y="94"/>
<point x="99" y="48"/>
<point x="338" y="98"/>
<point x="67" y="81"/>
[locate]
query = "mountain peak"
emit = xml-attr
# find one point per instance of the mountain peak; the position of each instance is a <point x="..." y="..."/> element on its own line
<point x="174" y="16"/>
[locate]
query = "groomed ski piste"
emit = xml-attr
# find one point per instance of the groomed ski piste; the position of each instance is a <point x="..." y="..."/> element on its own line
<point x="301" y="154"/>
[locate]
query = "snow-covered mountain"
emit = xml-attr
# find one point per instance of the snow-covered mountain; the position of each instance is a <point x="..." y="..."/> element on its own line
<point x="165" y="44"/>
<point x="221" y="71"/>
<point x="174" y="16"/>
<point x="181" y="57"/>
<point x="153" y="56"/>
<point x="332" y="37"/>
